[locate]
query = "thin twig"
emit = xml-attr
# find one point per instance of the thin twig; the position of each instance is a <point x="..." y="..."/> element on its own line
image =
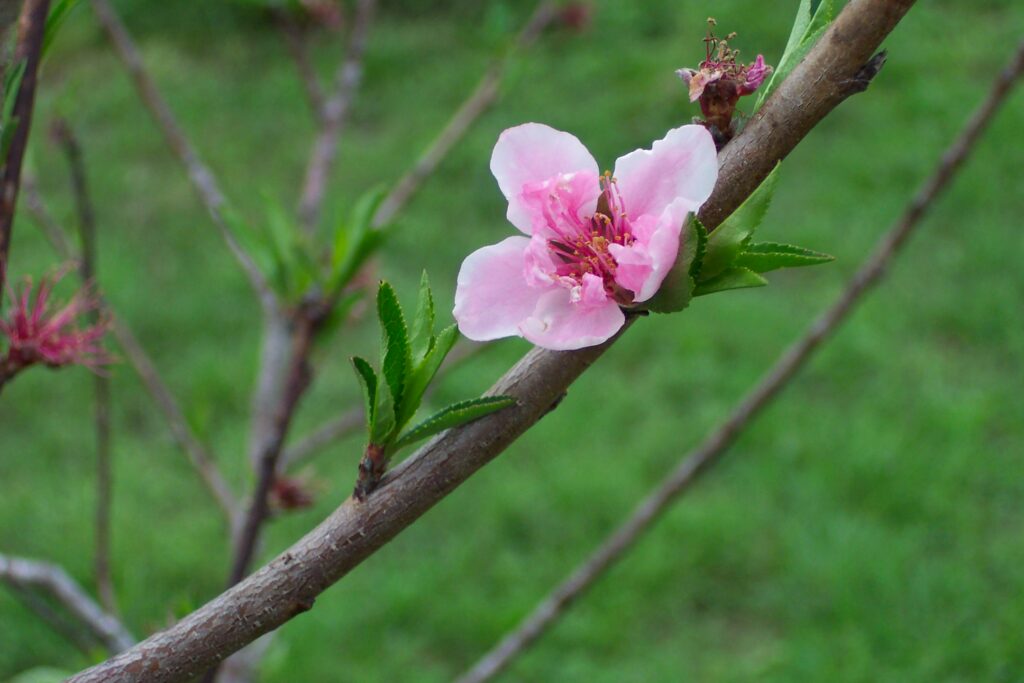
<point x="199" y="456"/>
<point x="334" y="116"/>
<point x="81" y="638"/>
<point x="65" y="136"/>
<point x="27" y="49"/>
<point x="289" y="584"/>
<point x="199" y="174"/>
<point x="31" y="574"/>
<point x="483" y="96"/>
<point x="702" y="458"/>
<point x="296" y="39"/>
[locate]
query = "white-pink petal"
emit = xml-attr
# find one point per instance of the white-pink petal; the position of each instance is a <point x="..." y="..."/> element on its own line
<point x="533" y="153"/>
<point x="561" y="325"/>
<point x="682" y="165"/>
<point x="492" y="296"/>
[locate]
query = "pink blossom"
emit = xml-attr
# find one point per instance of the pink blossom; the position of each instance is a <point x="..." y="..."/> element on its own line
<point x="594" y="242"/>
<point x="37" y="334"/>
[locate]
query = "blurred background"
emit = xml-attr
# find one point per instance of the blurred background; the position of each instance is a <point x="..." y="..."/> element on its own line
<point x="869" y="527"/>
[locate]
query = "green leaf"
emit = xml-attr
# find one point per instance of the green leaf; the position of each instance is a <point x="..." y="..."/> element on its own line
<point x="423" y="324"/>
<point x="676" y="289"/>
<point x="368" y="380"/>
<point x="734" y="278"/>
<point x="425" y="372"/>
<point x="355" y="241"/>
<point x="767" y="256"/>
<point x="453" y="416"/>
<point x="728" y="240"/>
<point x="396" y="365"/>
<point x="58" y="13"/>
<point x="8" y="122"/>
<point x="808" y="27"/>
<point x="366" y="208"/>
<point x="383" y="430"/>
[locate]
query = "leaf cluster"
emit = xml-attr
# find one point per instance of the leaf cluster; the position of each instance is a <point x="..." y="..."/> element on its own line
<point x="410" y="358"/>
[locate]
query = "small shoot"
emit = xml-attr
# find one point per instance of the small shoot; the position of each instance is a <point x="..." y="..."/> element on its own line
<point x="411" y="358"/>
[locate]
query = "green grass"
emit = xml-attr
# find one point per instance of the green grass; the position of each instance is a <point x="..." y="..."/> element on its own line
<point x="867" y="528"/>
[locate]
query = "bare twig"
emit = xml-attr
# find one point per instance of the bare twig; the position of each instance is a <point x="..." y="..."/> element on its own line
<point x="334" y="115"/>
<point x="64" y="136"/>
<point x="199" y="456"/>
<point x="290" y="583"/>
<point x="702" y="458"/>
<point x="55" y="582"/>
<point x="28" y="49"/>
<point x="199" y="174"/>
<point x="82" y="639"/>
<point x="296" y="40"/>
<point x="479" y="101"/>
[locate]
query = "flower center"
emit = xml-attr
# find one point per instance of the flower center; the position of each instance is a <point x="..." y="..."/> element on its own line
<point x="585" y="250"/>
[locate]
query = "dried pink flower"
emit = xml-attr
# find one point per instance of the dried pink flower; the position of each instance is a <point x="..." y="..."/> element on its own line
<point x="36" y="334"/>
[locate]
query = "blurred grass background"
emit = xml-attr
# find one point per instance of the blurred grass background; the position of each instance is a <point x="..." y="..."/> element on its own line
<point x="868" y="528"/>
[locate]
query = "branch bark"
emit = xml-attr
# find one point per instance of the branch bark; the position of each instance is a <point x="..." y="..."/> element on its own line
<point x="710" y="452"/>
<point x="30" y="574"/>
<point x="334" y="114"/>
<point x="289" y="584"/>
<point x="27" y="49"/>
<point x="199" y="174"/>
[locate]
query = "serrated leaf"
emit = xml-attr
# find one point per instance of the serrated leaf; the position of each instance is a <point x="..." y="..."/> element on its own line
<point x="734" y="278"/>
<point x="702" y="248"/>
<point x="676" y="289"/>
<point x="368" y="381"/>
<point x="423" y="323"/>
<point x="767" y="256"/>
<point x="396" y="364"/>
<point x="453" y="416"/>
<point x="727" y="241"/>
<point x="425" y="371"/>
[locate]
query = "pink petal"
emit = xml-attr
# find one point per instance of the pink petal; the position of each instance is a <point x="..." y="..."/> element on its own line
<point x="683" y="164"/>
<point x="559" y="208"/>
<point x="643" y="265"/>
<point x="492" y="296"/>
<point x="560" y="325"/>
<point x="534" y="153"/>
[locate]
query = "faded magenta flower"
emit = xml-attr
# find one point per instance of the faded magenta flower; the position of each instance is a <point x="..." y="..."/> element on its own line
<point x="720" y="81"/>
<point x="36" y="334"/>
<point x="596" y="243"/>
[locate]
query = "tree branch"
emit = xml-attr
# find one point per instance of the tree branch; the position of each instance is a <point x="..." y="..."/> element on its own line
<point x="334" y="114"/>
<point x="65" y="137"/>
<point x="28" y="49"/>
<point x="199" y="174"/>
<point x="479" y="101"/>
<point x="702" y="458"/>
<point x="30" y="574"/>
<point x="199" y="456"/>
<point x="289" y="584"/>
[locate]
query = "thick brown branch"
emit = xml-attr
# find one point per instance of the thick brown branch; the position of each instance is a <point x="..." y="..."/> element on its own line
<point x="479" y="101"/>
<point x="30" y="574"/>
<point x="334" y="115"/>
<point x="199" y="456"/>
<point x="27" y="50"/>
<point x="199" y="174"/>
<point x="289" y="584"/>
<point x="702" y="458"/>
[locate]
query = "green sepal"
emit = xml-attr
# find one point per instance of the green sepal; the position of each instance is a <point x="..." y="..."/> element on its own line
<point x="767" y="256"/>
<point x="453" y="416"/>
<point x="734" y="278"/>
<point x="422" y="337"/>
<point x="676" y="289"/>
<point x="396" y="365"/>
<point x="729" y="240"/>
